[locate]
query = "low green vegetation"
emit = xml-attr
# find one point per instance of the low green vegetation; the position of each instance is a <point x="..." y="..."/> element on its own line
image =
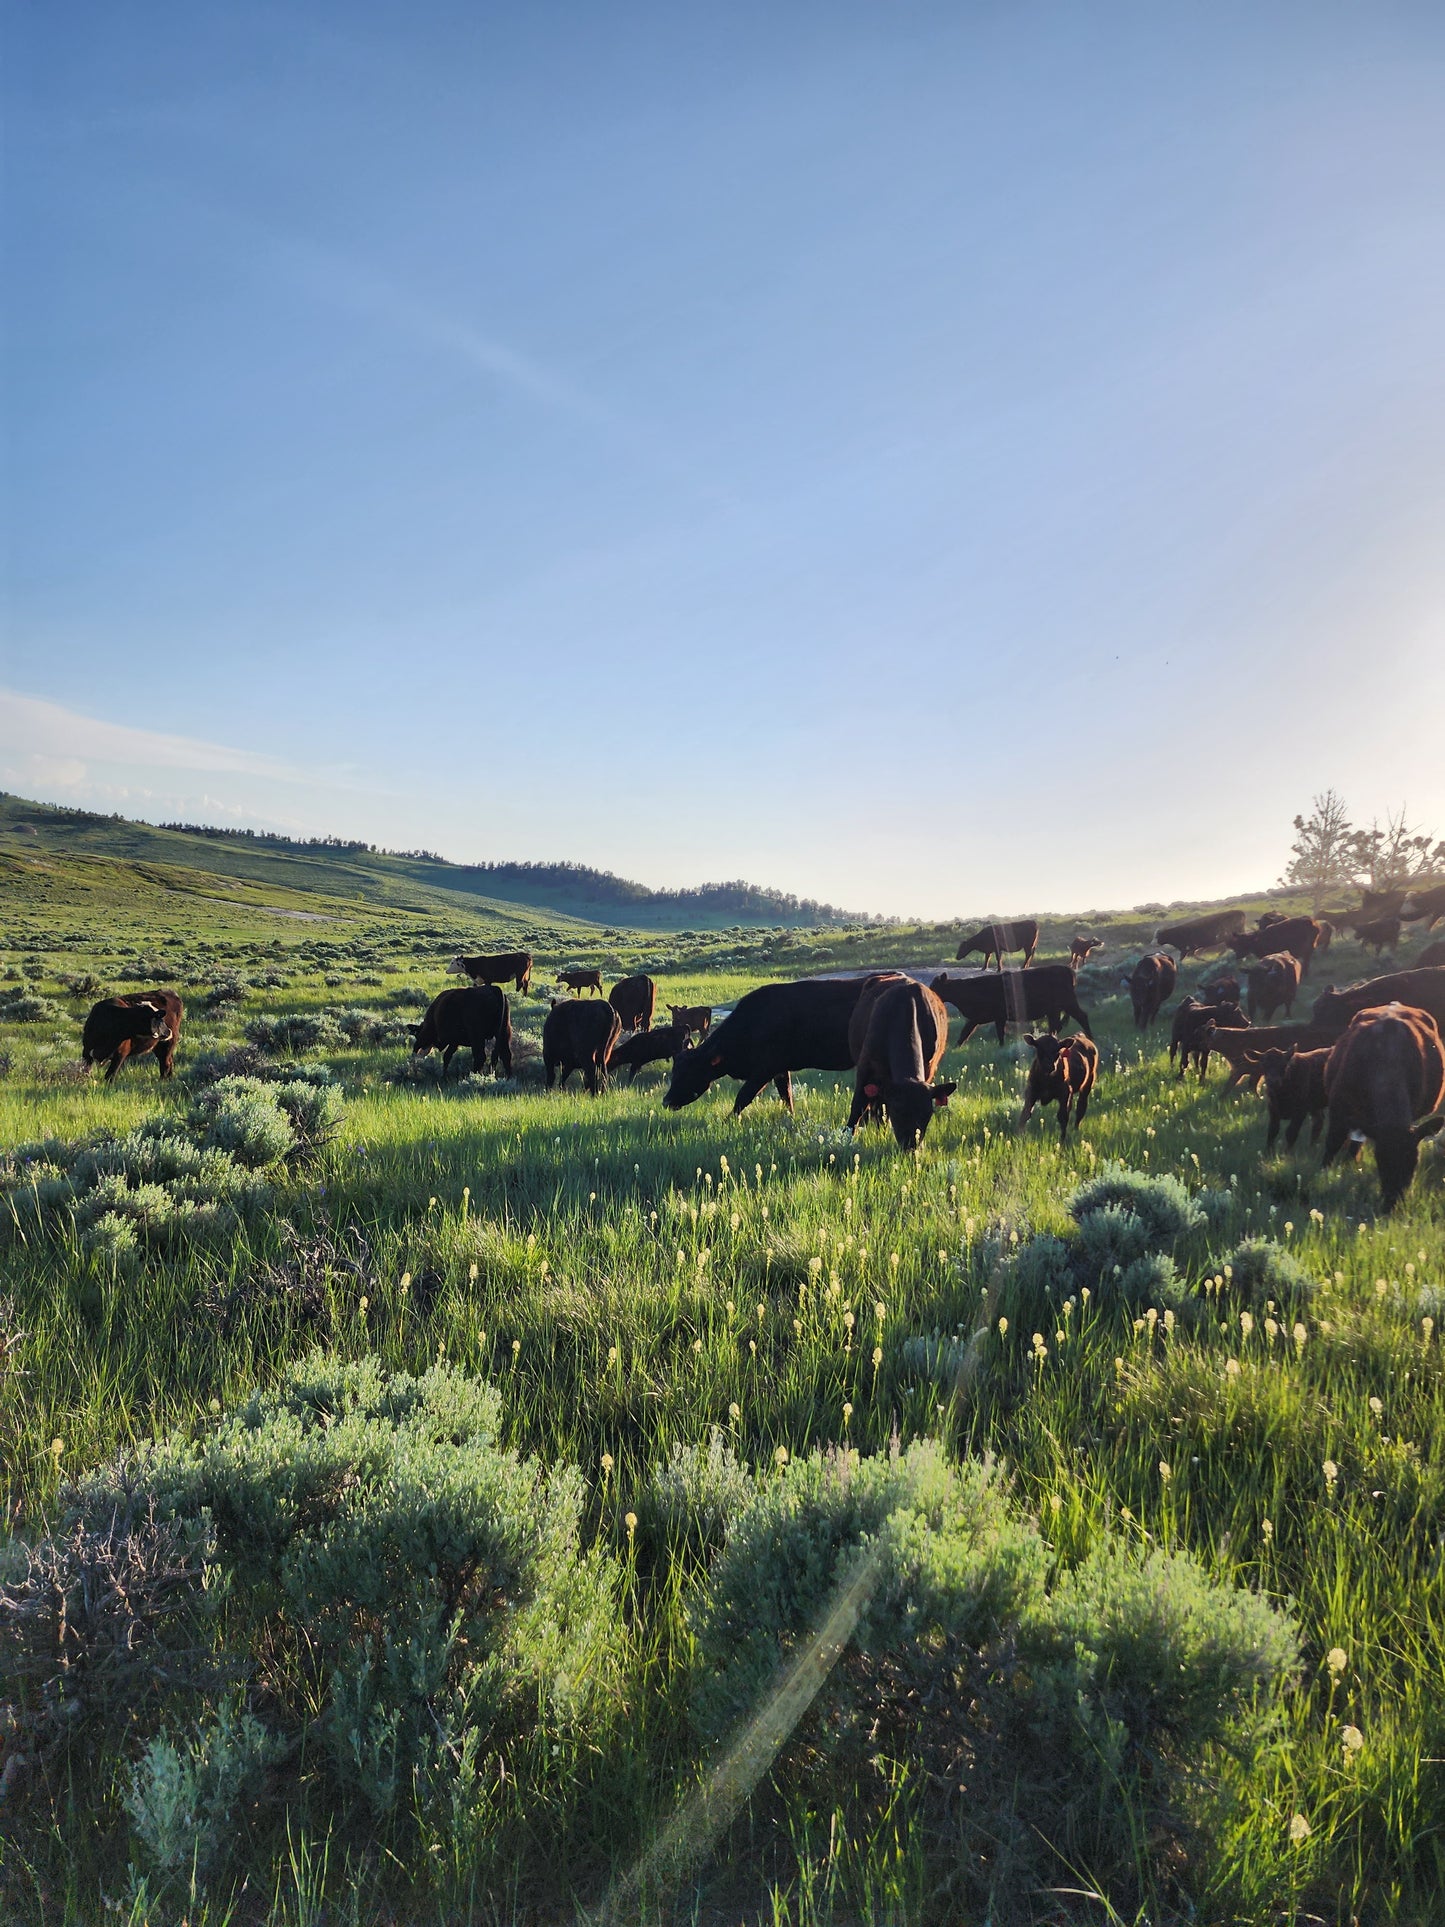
<point x="433" y="1500"/>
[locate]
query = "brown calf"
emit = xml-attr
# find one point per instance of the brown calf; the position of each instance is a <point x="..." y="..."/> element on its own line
<point x="1064" y="1072"/>
<point x="580" y="980"/>
<point x="1385" y="1080"/>
<point x="696" y="1019"/>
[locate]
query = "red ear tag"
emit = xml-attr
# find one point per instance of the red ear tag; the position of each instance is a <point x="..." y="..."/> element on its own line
<point x="939" y="1102"/>
<point x="870" y="1090"/>
<point x="717" y="1060"/>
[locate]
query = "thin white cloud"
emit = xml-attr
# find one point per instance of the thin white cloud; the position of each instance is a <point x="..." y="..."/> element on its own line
<point x="63" y="742"/>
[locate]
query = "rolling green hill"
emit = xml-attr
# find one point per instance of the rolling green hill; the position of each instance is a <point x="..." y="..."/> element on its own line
<point x="408" y="880"/>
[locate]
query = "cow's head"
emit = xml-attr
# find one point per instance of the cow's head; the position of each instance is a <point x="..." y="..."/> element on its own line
<point x="692" y="1072"/>
<point x="911" y="1106"/>
<point x="457" y="967"/>
<point x="1047" y="1049"/>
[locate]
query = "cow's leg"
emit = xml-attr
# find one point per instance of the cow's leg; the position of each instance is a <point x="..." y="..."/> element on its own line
<point x="1063" y="1117"/>
<point x="857" y="1107"/>
<point x="998" y="1031"/>
<point x="750" y="1088"/>
<point x="1317" y="1124"/>
<point x="122" y="1051"/>
<point x="969" y="1028"/>
<point x="1335" y="1140"/>
<point x="1082" y="1112"/>
<point x="1076" y="1011"/>
<point x="1273" y="1132"/>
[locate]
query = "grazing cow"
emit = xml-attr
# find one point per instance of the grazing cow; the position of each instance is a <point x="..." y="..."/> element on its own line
<point x="468" y="1019"/>
<point x="1377" y="933"/>
<point x="647" y="1047"/>
<point x="1064" y="1072"/>
<point x="1431" y="957"/>
<point x="579" y="1037"/>
<point x="1425" y="906"/>
<point x="1385" y="1080"/>
<point x="774" y="1031"/>
<point x="1236" y="1047"/>
<point x="509" y="967"/>
<point x="694" y="1018"/>
<point x="122" y="1027"/>
<point x="1082" y="948"/>
<point x="634" y="999"/>
<point x="1297" y="935"/>
<point x="1048" y="993"/>
<point x="1150" y="985"/>
<point x="1191" y="1020"/>
<point x="994" y="939"/>
<point x="580" y="980"/>
<point x="1421" y="988"/>
<point x="1195" y="934"/>
<point x="1273" y="986"/>
<point x="1221" y="988"/>
<point x="1294" y="1086"/>
<point x="898" y="1034"/>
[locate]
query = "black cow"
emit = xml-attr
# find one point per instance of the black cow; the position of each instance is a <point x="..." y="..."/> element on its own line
<point x="1377" y="933"/>
<point x="1200" y="933"/>
<point x="994" y="939"/>
<point x="1425" y="906"/>
<point x="647" y="1047"/>
<point x="468" y="1019"/>
<point x="118" y="1028"/>
<point x="1386" y="1080"/>
<point x="898" y="1034"/>
<point x="579" y="1037"/>
<point x="509" y="967"/>
<point x="634" y="999"/>
<point x="1237" y="1047"/>
<point x="1150" y="985"/>
<point x="1047" y="993"/>
<point x="1297" y="935"/>
<point x="774" y="1031"/>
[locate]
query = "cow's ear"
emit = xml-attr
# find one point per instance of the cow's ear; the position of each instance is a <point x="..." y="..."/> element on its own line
<point x="941" y="1094"/>
<point x="1032" y="1039"/>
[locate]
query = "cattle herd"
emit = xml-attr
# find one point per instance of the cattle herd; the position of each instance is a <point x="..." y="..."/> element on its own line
<point x="1367" y="1065"/>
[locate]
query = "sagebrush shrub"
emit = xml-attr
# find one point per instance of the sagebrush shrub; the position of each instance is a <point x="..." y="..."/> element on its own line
<point x="690" y="1500"/>
<point x="1259" y="1270"/>
<point x="1161" y="1204"/>
<point x="1080" y="1712"/>
<point x="434" y="1581"/>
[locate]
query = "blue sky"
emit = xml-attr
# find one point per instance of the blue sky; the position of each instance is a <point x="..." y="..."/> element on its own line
<point x="941" y="459"/>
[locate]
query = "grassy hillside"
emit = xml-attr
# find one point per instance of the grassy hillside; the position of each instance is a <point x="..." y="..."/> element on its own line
<point x="566" y="892"/>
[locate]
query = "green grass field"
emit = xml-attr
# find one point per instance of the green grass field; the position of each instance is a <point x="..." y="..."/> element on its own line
<point x="631" y="1282"/>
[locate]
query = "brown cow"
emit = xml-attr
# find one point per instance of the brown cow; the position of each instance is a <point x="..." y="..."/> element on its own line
<point x="1420" y="988"/>
<point x="648" y="1047"/>
<point x="580" y="980"/>
<point x="1150" y="985"/>
<point x="1377" y="933"/>
<point x="1327" y="934"/>
<point x="118" y="1028"/>
<point x="1082" y="948"/>
<point x="1191" y="1020"/>
<point x="508" y="967"/>
<point x="1273" y="986"/>
<point x="579" y="1037"/>
<point x="1194" y="934"/>
<point x="1064" y="1072"/>
<point x="1294" y="1086"/>
<point x="1237" y="1046"/>
<point x="694" y="1018"/>
<point x="898" y="1034"/>
<point x="634" y="999"/>
<point x="994" y="939"/>
<point x="1297" y="935"/>
<point x="1385" y="1080"/>
<point x="1425" y="906"/>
